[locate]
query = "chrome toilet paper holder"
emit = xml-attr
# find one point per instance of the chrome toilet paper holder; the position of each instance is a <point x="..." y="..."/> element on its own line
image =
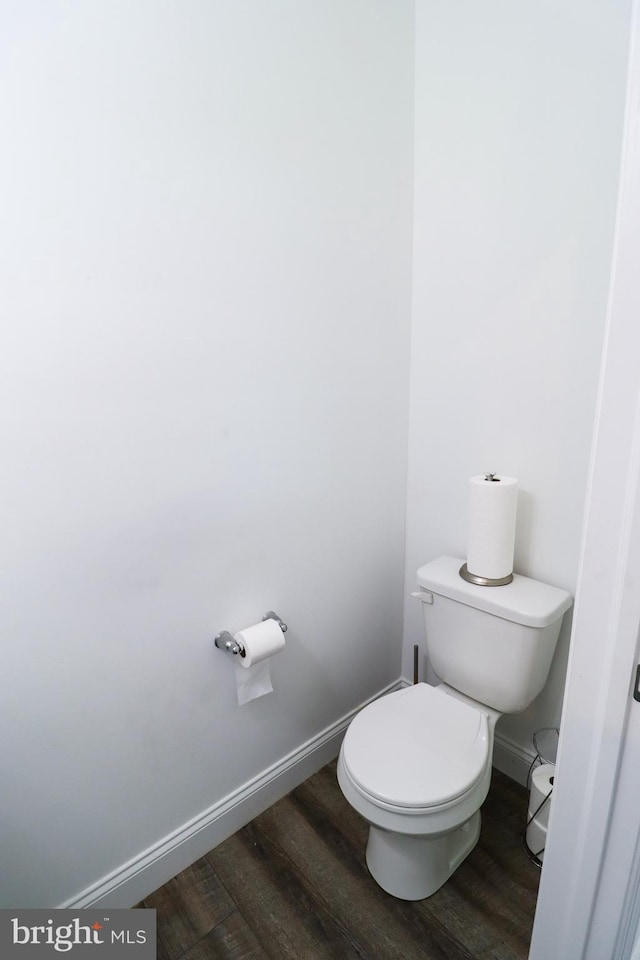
<point x="227" y="642"/>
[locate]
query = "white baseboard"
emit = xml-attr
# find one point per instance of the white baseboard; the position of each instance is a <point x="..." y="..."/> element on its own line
<point x="135" y="880"/>
<point x="513" y="759"/>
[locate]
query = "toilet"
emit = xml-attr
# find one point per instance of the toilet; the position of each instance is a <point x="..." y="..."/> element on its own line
<point x="416" y="763"/>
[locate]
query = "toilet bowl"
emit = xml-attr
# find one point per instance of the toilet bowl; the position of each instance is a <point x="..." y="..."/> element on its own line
<point x="416" y="764"/>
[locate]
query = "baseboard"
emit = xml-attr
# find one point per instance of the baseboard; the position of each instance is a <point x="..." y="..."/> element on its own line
<point x="512" y="759"/>
<point x="135" y="880"/>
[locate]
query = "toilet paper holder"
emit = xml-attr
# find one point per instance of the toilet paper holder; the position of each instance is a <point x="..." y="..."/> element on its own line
<point x="227" y="642"/>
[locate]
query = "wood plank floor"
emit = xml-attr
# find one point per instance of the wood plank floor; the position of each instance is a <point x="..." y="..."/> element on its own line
<point x="293" y="885"/>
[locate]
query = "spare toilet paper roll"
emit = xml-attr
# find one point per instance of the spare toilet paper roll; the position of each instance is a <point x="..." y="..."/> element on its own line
<point x="541" y="787"/>
<point x="259" y="642"/>
<point x="492" y="526"/>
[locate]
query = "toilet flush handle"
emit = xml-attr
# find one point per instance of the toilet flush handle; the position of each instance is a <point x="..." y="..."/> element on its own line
<point x="425" y="595"/>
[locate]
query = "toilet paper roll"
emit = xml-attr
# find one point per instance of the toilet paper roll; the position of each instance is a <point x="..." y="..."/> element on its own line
<point x="537" y="839"/>
<point x="492" y="526"/>
<point x="541" y="787"/>
<point x="259" y="643"/>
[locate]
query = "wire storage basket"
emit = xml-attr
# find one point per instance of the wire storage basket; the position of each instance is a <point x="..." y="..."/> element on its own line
<point x="540" y="786"/>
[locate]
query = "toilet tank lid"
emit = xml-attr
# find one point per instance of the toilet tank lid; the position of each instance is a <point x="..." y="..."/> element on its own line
<point x="525" y="601"/>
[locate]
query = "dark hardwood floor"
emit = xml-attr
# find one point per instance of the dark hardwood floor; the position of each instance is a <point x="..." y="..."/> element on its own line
<point x="294" y="884"/>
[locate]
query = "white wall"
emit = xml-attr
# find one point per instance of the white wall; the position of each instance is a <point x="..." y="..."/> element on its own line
<point x="205" y="250"/>
<point x="205" y="256"/>
<point x="517" y="139"/>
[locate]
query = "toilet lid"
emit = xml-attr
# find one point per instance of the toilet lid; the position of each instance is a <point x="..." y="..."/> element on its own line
<point x="418" y="747"/>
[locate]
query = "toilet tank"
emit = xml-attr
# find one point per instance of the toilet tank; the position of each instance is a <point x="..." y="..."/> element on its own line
<point x="493" y="644"/>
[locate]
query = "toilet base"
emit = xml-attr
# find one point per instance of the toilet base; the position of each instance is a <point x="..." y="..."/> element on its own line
<point x="414" y="867"/>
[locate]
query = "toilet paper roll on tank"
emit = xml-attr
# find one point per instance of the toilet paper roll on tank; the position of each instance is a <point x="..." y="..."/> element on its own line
<point x="493" y="501"/>
<point x="258" y="643"/>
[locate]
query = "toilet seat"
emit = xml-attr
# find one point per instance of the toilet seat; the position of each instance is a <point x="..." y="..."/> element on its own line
<point x="416" y="749"/>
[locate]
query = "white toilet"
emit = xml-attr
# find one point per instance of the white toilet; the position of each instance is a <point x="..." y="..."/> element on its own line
<point x="416" y="764"/>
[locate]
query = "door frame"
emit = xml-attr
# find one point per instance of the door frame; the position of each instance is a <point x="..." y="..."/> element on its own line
<point x="579" y="916"/>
